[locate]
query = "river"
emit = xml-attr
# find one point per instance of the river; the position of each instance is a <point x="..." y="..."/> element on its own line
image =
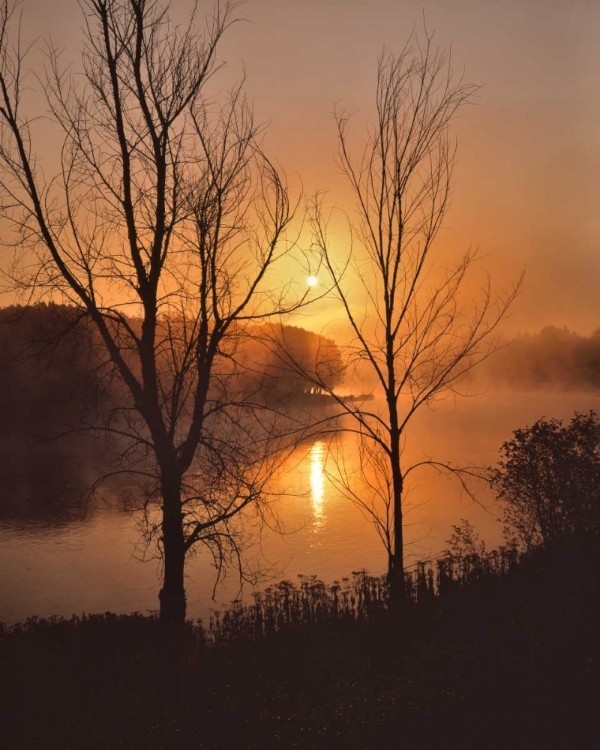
<point x="71" y="560"/>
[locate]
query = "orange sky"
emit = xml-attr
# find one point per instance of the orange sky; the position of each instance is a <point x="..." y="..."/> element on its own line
<point x="529" y="160"/>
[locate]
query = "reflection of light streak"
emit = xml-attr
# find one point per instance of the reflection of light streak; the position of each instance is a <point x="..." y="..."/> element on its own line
<point x="317" y="480"/>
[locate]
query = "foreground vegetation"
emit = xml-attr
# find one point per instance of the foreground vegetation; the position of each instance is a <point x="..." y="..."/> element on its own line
<point x="496" y="634"/>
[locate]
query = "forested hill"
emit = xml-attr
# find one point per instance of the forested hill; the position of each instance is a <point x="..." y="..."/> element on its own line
<point x="48" y="356"/>
<point x="55" y="373"/>
<point x="554" y="358"/>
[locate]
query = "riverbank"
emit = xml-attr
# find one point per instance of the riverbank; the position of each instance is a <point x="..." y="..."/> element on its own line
<point x="312" y="666"/>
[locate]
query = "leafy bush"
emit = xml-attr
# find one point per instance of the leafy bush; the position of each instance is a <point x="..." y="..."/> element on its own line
<point x="548" y="480"/>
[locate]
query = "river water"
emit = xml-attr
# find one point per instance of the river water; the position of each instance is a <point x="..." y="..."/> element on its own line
<point x="57" y="558"/>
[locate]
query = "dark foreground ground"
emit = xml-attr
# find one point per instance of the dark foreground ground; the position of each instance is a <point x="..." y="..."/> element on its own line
<point x="486" y="654"/>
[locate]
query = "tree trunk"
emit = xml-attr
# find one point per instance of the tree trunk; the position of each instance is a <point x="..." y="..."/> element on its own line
<point x="396" y="558"/>
<point x="172" y="593"/>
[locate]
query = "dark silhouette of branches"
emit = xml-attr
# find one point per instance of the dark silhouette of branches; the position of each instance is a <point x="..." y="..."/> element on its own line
<point x="414" y="332"/>
<point x="163" y="227"/>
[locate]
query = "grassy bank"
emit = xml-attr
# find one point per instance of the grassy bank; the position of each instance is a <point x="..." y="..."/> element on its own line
<point x="309" y="665"/>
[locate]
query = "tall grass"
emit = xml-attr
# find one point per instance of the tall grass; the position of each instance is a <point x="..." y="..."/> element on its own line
<point x="309" y="603"/>
<point x="362" y="598"/>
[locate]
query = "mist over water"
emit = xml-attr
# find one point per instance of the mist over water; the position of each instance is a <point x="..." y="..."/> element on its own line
<point x="59" y="557"/>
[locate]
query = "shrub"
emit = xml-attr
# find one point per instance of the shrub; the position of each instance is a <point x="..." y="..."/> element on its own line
<point x="548" y="480"/>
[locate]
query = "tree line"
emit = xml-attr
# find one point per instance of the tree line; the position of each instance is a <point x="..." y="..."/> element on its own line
<point x="553" y="358"/>
<point x="52" y="360"/>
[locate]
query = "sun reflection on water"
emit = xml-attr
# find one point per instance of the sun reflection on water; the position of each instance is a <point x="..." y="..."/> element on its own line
<point x="317" y="481"/>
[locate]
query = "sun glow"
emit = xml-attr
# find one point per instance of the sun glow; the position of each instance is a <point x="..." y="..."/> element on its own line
<point x="312" y="281"/>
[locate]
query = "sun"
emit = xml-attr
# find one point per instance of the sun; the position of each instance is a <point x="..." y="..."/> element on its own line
<point x="312" y="281"/>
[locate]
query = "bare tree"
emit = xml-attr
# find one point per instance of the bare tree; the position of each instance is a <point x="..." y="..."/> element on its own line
<point x="163" y="226"/>
<point x="410" y="329"/>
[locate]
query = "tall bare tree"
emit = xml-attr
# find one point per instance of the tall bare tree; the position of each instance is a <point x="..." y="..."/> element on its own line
<point x="410" y="329"/>
<point x="162" y="226"/>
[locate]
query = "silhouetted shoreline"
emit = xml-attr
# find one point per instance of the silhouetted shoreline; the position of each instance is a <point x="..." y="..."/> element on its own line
<point x="315" y="666"/>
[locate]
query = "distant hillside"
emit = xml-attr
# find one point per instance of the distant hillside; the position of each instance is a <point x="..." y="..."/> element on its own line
<point x="48" y="359"/>
<point x="55" y="372"/>
<point x="554" y="358"/>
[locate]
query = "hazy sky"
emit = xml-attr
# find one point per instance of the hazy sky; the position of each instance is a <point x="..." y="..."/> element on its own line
<point x="528" y="170"/>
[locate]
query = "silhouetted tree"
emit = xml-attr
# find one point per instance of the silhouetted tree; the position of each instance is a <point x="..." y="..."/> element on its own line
<point x="548" y="480"/>
<point x="410" y="329"/>
<point x="167" y="209"/>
